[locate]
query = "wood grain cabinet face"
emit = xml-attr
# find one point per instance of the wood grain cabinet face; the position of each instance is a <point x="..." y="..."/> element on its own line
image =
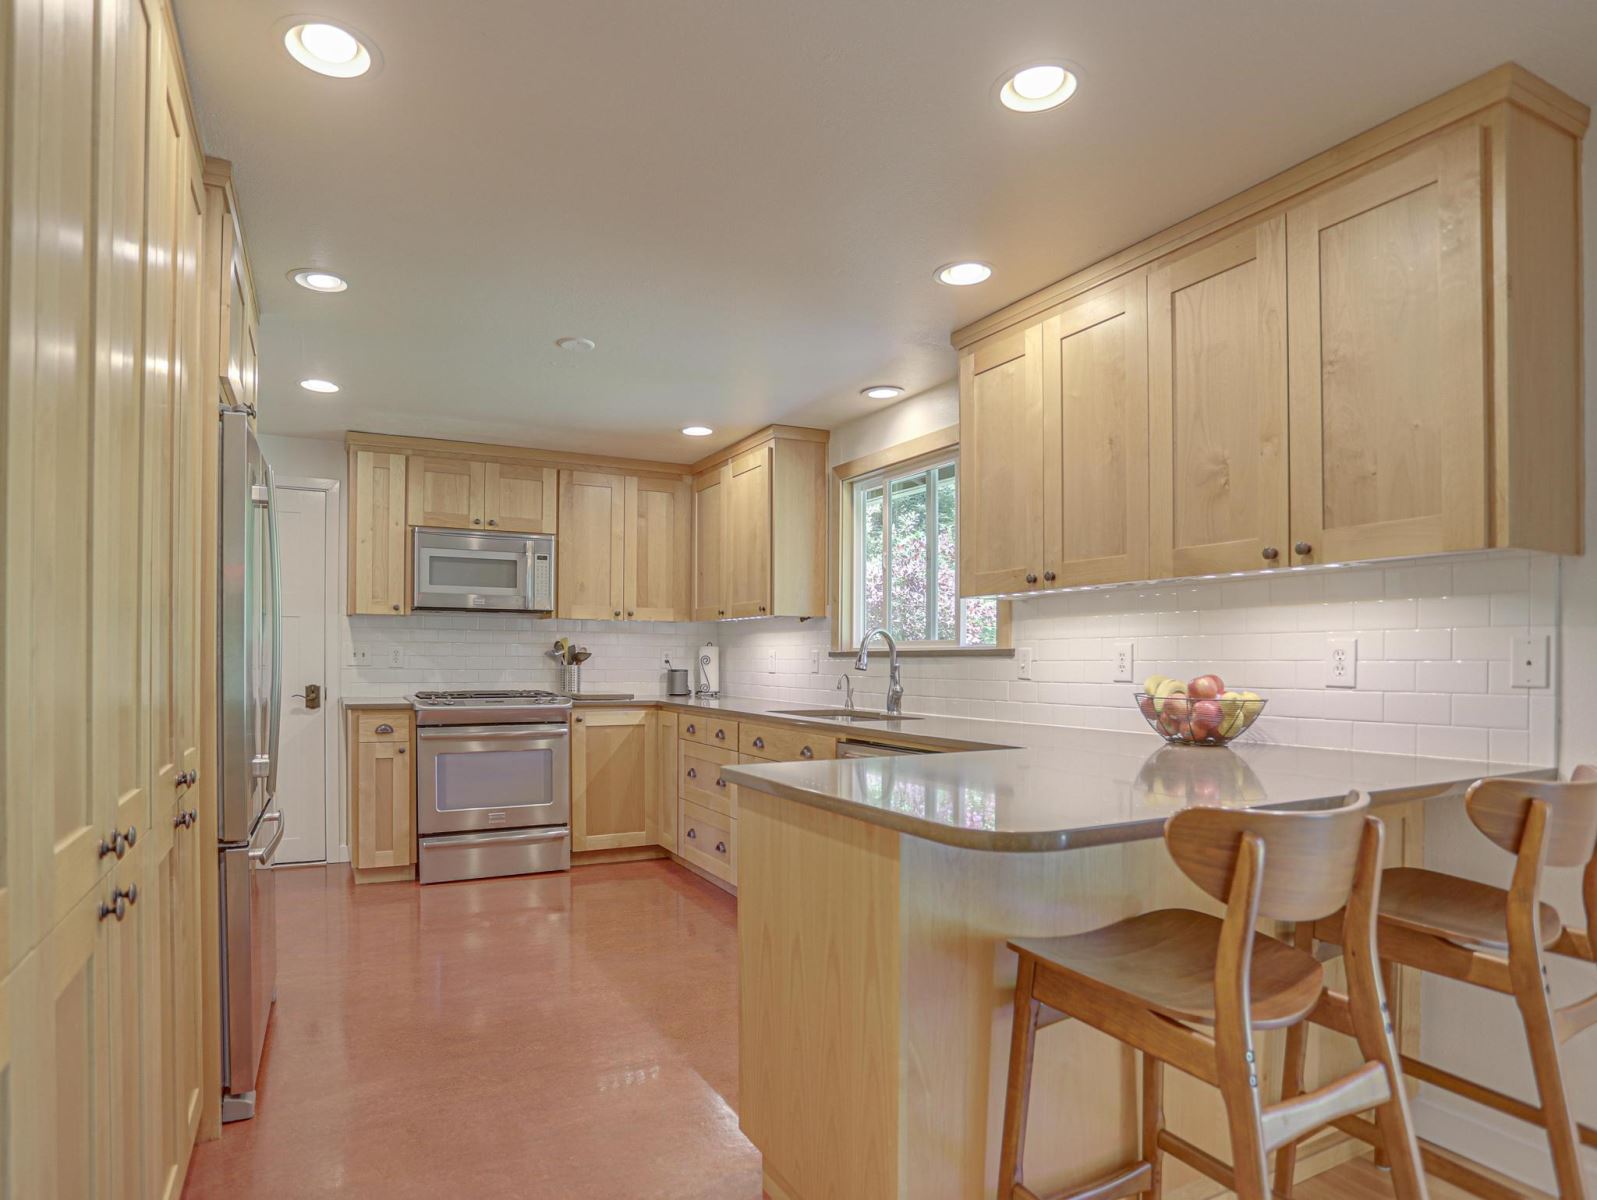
<point x="748" y="534"/>
<point x="1218" y="405"/>
<point x="377" y="534"/>
<point x="518" y="498"/>
<point x="709" y="545"/>
<point x="658" y="549"/>
<point x="384" y="833"/>
<point x="590" y="578"/>
<point x="445" y="493"/>
<point x="1002" y="464"/>
<point x="614" y="773"/>
<point x="1388" y="357"/>
<point x="1095" y="416"/>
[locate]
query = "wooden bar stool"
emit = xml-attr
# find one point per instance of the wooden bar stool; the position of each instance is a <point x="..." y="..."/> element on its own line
<point x="1496" y="939"/>
<point x="1149" y="980"/>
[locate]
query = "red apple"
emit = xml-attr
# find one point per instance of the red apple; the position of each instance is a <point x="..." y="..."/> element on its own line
<point x="1206" y="687"/>
<point x="1206" y="718"/>
<point x="1146" y="705"/>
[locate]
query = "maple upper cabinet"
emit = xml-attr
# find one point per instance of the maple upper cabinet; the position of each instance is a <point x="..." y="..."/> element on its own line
<point x="1003" y="464"/>
<point x="446" y="493"/>
<point x="230" y="293"/>
<point x="519" y="497"/>
<point x="1218" y="405"/>
<point x="709" y="544"/>
<point x="759" y="528"/>
<point x="658" y="550"/>
<point x="377" y="549"/>
<point x="1095" y="423"/>
<point x="590" y="567"/>
<point x="1389" y="376"/>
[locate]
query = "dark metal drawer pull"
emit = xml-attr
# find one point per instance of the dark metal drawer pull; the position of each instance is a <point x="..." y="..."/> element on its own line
<point x="693" y="772"/>
<point x="385" y="727"/>
<point x="806" y="753"/>
<point x="720" y="847"/>
<point x="693" y="833"/>
<point x="759" y="743"/>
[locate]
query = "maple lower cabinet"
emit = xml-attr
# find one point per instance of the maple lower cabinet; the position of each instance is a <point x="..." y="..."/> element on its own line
<point x="377" y="533"/>
<point x="519" y="497"/>
<point x="614" y="777"/>
<point x="660" y="821"/>
<point x="382" y="791"/>
<point x="1003" y="464"/>
<point x="759" y="530"/>
<point x="1218" y="405"/>
<point x="658" y="549"/>
<point x="590" y="567"/>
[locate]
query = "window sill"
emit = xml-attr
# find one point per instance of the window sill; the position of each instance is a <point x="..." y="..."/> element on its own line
<point x="938" y="652"/>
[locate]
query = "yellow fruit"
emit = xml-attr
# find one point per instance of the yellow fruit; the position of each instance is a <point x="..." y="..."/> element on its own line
<point x="1170" y="689"/>
<point x="1151" y="684"/>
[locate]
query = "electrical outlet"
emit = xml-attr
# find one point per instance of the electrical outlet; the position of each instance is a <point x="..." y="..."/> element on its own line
<point x="665" y="660"/>
<point x="770" y="662"/>
<point x="1341" y="662"/>
<point x="395" y="656"/>
<point x="1023" y="662"/>
<point x="1528" y="662"/>
<point x="1124" y="662"/>
<point x="815" y="660"/>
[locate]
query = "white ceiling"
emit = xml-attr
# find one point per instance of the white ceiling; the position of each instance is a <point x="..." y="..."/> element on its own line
<point x="742" y="201"/>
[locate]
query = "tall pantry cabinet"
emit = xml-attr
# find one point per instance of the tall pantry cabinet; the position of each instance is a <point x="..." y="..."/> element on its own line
<point x="107" y="413"/>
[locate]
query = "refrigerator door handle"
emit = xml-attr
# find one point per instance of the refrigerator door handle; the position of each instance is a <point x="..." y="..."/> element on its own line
<point x="275" y="719"/>
<point x="265" y="854"/>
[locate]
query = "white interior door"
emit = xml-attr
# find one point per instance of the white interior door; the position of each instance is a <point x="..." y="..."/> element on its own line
<point x="302" y="755"/>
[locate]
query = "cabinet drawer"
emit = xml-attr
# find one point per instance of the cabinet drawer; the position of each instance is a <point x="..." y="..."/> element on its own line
<point x="706" y="839"/>
<point x="699" y="775"/>
<point x="783" y="743"/>
<point x="383" y="726"/>
<point x="712" y="731"/>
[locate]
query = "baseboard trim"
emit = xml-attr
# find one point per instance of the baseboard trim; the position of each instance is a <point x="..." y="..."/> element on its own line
<point x="593" y="858"/>
<point x="729" y="888"/>
<point x="1504" y="1145"/>
<point x="383" y="874"/>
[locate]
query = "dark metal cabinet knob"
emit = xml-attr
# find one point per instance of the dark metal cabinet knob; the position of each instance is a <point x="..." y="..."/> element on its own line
<point x="396" y="608"/>
<point x="1049" y="576"/>
<point x="720" y="612"/>
<point x="693" y="772"/>
<point x="617" y="613"/>
<point x="476" y="520"/>
<point x="1270" y="553"/>
<point x="1030" y="577"/>
<point x="720" y="735"/>
<point x="631" y="612"/>
<point x="762" y="608"/>
<point x="1303" y="548"/>
<point x="693" y="728"/>
<point x="132" y="835"/>
<point x="806" y="753"/>
<point x="719" y="782"/>
<point x="118" y="908"/>
<point x="759" y="743"/>
<point x="578" y="720"/>
<point x="400" y="750"/>
<point x="693" y="834"/>
<point x="720" y="847"/>
<point x="491" y="521"/>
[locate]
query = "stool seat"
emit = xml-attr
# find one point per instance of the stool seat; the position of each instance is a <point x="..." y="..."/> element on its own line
<point x="1461" y="911"/>
<point x="1164" y="961"/>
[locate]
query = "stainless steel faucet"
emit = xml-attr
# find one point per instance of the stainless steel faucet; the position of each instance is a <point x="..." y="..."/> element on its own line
<point x="895" y="686"/>
<point x="846" y="686"/>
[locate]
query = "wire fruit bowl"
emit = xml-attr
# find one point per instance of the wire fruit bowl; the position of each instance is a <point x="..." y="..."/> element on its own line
<point x="1186" y="720"/>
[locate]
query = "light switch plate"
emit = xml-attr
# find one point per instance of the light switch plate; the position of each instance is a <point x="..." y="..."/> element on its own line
<point x="1341" y="662"/>
<point x="359" y="656"/>
<point x="770" y="662"/>
<point x="1023" y="662"/>
<point x="1125" y="661"/>
<point x="1528" y="661"/>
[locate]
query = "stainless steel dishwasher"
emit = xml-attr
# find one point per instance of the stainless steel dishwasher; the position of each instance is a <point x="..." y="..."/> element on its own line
<point x="851" y="749"/>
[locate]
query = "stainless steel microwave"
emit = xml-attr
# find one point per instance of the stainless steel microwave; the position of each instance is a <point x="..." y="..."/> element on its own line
<point x="505" y="572"/>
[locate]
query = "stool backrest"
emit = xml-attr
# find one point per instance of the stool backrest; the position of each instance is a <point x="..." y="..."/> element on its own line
<point x="1499" y="807"/>
<point x="1309" y="857"/>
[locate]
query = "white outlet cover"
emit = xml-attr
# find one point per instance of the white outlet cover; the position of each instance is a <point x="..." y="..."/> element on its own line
<point x="1341" y="662"/>
<point x="1023" y="662"/>
<point x="396" y="656"/>
<point x="770" y="662"/>
<point x="1528" y="661"/>
<point x="815" y="660"/>
<point x="1124" y="662"/>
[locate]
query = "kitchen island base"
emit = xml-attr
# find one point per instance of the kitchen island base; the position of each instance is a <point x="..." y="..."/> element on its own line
<point x="876" y="998"/>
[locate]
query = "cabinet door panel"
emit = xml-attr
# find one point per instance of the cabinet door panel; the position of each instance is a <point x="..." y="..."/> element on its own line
<point x="591" y="570"/>
<point x="1095" y="388"/>
<point x="657" y="549"/>
<point x="1002" y="464"/>
<point x="709" y="546"/>
<point x="748" y="541"/>
<point x="614" y="773"/>
<point x="377" y="533"/>
<point x="519" y="498"/>
<point x="1218" y="405"/>
<point x="384" y="796"/>
<point x="1389" y="403"/>
<point x="660" y="825"/>
<point x="445" y="493"/>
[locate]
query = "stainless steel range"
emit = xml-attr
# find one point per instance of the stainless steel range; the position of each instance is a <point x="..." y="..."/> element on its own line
<point x="493" y="784"/>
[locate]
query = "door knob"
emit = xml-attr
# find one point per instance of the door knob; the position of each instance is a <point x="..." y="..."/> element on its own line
<point x="1303" y="548"/>
<point x="1270" y="553"/>
<point x="312" y="695"/>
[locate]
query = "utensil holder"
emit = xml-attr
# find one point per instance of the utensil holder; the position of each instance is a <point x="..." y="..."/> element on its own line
<point x="573" y="682"/>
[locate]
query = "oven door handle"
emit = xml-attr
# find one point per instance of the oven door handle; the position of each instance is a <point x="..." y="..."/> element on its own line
<point x="475" y="732"/>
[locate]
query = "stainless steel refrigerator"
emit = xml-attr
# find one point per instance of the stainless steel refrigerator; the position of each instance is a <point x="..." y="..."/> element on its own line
<point x="249" y="827"/>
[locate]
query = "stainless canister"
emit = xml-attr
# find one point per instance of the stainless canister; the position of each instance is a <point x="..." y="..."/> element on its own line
<point x="676" y="681"/>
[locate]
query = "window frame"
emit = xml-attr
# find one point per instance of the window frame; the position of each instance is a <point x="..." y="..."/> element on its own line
<point x="847" y="602"/>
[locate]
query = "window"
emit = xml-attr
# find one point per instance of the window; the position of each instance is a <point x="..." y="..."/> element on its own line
<point x="906" y="566"/>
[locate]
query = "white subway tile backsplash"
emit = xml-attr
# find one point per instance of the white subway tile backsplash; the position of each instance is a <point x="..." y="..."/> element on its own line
<point x="1451" y="675"/>
<point x="1493" y="712"/>
<point x="1419" y="643"/>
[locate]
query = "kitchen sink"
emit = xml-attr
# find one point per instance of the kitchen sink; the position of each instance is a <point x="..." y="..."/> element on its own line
<point x="845" y="714"/>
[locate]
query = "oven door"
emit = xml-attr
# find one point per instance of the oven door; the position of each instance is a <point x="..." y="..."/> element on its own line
<point x="484" y="571"/>
<point x="471" y="778"/>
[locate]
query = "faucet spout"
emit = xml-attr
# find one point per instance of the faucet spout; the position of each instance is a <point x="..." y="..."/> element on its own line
<point x="895" y="686"/>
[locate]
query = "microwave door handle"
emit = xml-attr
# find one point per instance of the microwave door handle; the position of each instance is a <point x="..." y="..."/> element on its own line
<point x="528" y="574"/>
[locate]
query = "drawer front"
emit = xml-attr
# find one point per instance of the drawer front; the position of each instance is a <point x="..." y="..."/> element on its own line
<point x="383" y="726"/>
<point x="699" y="775"/>
<point x="711" y="731"/>
<point x="705" y="839"/>
<point x="782" y="743"/>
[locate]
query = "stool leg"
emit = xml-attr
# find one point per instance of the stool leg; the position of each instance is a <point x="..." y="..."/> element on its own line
<point x="1152" y="1123"/>
<point x="1292" y="1065"/>
<point x="1389" y="978"/>
<point x="1535" y="1008"/>
<point x="1017" y="1097"/>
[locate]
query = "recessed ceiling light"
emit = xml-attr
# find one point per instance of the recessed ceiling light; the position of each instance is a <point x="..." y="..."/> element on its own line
<point x="575" y="345"/>
<point x="318" y="281"/>
<point x="1038" y="87"/>
<point x="882" y="391"/>
<point x="963" y="274"/>
<point x="697" y="430"/>
<point x="328" y="50"/>
<point x="318" y="385"/>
